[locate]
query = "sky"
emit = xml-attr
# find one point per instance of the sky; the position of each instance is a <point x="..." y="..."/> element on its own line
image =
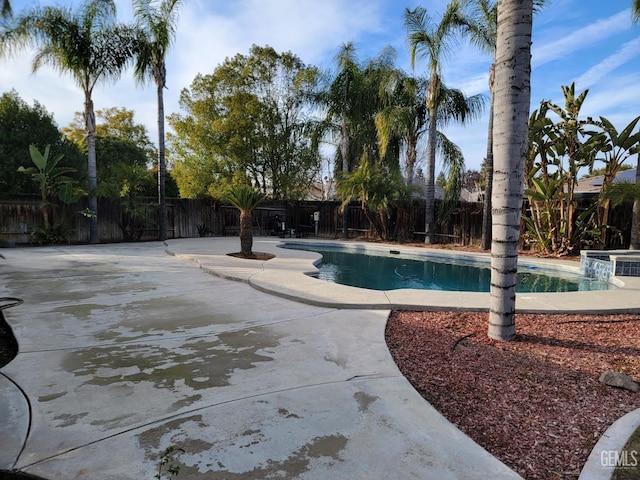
<point x="590" y="42"/>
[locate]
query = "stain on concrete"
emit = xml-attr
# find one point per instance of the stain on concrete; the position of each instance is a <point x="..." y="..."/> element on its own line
<point x="53" y="396"/>
<point x="199" y="363"/>
<point x="364" y="401"/>
<point x="67" y="419"/>
<point x="185" y="402"/>
<point x="161" y="316"/>
<point x="80" y="311"/>
<point x="254" y="438"/>
<point x="113" y="422"/>
<point x="283" y="412"/>
<point x="152" y="440"/>
<point x="328" y="447"/>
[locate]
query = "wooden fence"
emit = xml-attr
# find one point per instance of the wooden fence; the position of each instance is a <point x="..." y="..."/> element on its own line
<point x="188" y="218"/>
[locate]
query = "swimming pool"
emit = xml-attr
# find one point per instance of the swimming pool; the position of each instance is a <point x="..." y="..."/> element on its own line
<point x="378" y="270"/>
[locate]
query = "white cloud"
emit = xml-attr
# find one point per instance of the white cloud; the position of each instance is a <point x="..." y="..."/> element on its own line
<point x="616" y="100"/>
<point x="624" y="54"/>
<point x="579" y="39"/>
<point x="474" y="85"/>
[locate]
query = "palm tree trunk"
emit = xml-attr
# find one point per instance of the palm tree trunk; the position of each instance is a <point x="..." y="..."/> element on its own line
<point x="512" y="101"/>
<point x="162" y="169"/>
<point x="412" y="155"/>
<point x="344" y="151"/>
<point x="488" y="189"/>
<point x="429" y="212"/>
<point x="90" y="126"/>
<point x="606" y="206"/>
<point x="246" y="233"/>
<point x="408" y="217"/>
<point x="634" y="243"/>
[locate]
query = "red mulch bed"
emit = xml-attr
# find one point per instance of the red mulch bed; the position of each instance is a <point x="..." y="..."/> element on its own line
<point x="536" y="402"/>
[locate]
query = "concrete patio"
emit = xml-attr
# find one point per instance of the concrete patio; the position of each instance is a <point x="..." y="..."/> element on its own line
<point x="126" y="350"/>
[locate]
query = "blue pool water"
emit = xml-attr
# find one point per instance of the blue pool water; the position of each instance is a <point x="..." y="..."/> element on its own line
<point x="391" y="272"/>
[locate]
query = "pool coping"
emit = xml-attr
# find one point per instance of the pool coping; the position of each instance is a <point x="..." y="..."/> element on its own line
<point x="289" y="275"/>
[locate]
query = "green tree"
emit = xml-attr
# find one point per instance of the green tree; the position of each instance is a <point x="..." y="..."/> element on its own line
<point x="245" y="198"/>
<point x="635" y="236"/>
<point x="194" y="172"/>
<point x="570" y="131"/>
<point x="404" y="118"/>
<point x="342" y="100"/>
<point x="615" y="147"/>
<point x="251" y="120"/>
<point x="118" y="140"/>
<point x="620" y="192"/>
<point x="376" y="188"/>
<point x="22" y="125"/>
<point x="49" y="178"/>
<point x="86" y="44"/>
<point x="432" y="42"/>
<point x="352" y="99"/>
<point x="116" y="151"/>
<point x="157" y="24"/>
<point x="126" y="183"/>
<point x="119" y="123"/>
<point x="512" y="90"/>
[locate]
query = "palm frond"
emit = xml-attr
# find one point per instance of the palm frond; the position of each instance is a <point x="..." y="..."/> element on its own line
<point x="619" y="192"/>
<point x="245" y="198"/>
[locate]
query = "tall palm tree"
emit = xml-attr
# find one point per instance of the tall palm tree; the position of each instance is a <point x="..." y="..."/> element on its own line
<point x="86" y="44"/>
<point x="157" y="25"/>
<point x="635" y="11"/>
<point x="352" y="100"/>
<point x="405" y="118"/>
<point x="512" y="103"/>
<point x="482" y="27"/>
<point x="341" y="101"/>
<point x="432" y="42"/>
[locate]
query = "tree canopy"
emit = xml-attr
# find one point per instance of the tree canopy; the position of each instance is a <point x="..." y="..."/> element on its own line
<point x="114" y="123"/>
<point x="22" y="125"/>
<point x="248" y="121"/>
